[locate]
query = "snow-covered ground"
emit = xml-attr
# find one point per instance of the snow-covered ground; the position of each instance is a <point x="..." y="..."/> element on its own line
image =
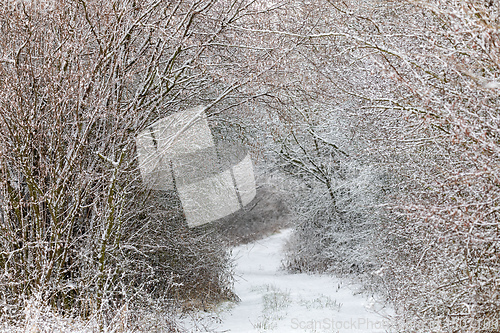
<point x="274" y="301"/>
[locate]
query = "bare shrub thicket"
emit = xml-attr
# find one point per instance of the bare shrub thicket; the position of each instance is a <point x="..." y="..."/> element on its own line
<point x="420" y="81"/>
<point x="79" y="79"/>
<point x="336" y="195"/>
<point x="334" y="188"/>
<point x="367" y="104"/>
<point x="447" y="235"/>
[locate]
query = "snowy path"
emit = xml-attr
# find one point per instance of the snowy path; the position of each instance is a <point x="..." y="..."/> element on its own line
<point x="274" y="301"/>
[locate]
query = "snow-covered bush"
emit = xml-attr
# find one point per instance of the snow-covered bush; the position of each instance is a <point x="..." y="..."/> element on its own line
<point x="366" y="102"/>
<point x="426" y="80"/>
<point x="335" y="195"/>
<point x="445" y="241"/>
<point x="422" y="78"/>
<point x="338" y="236"/>
<point x="79" y="80"/>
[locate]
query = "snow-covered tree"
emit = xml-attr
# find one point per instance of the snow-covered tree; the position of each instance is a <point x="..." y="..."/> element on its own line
<point x="422" y="78"/>
<point x="79" y="80"/>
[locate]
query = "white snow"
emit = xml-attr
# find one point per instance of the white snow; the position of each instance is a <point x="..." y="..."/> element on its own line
<point x="273" y="300"/>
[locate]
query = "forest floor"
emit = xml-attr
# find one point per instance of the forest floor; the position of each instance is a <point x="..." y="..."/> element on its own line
<point x="273" y="300"/>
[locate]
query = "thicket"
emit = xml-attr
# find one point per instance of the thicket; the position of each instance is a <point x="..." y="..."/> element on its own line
<point x="382" y="114"/>
<point x="419" y="81"/>
<point x="80" y="234"/>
